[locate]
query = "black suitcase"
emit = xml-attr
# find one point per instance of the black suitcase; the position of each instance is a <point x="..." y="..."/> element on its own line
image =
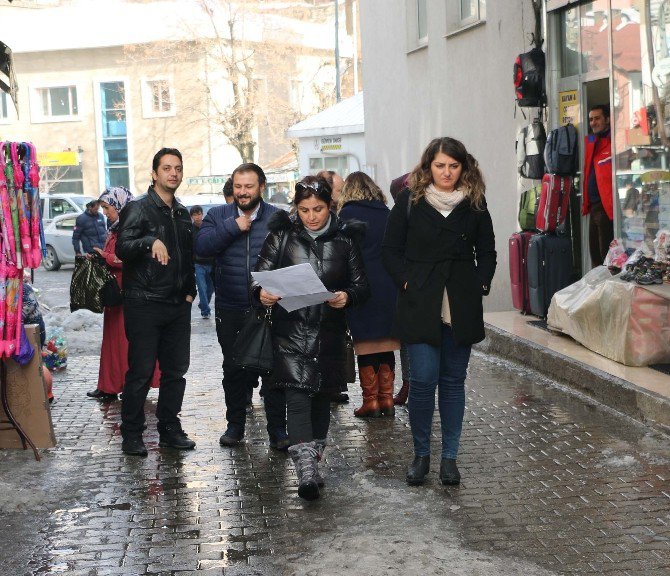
<point x="549" y="269"/>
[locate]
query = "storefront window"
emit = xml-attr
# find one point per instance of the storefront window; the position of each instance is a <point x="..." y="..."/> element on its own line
<point x="569" y="24"/>
<point x="641" y="117"/>
<point x="594" y="36"/>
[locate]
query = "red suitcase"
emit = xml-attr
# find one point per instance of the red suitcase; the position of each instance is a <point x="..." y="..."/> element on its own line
<point x="518" y="270"/>
<point x="552" y="208"/>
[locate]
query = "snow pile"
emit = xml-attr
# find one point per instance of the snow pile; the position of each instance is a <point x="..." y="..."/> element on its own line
<point x="82" y="329"/>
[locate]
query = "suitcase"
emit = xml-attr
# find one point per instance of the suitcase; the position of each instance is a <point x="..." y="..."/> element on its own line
<point x="552" y="208"/>
<point x="518" y="270"/>
<point x="549" y="270"/>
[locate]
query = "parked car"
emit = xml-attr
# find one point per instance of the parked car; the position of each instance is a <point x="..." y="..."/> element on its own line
<point x="58" y="235"/>
<point x="53" y="205"/>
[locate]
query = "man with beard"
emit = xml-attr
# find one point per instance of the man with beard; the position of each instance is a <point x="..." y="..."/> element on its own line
<point x="234" y="234"/>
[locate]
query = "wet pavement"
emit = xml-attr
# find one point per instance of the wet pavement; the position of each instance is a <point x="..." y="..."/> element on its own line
<point x="551" y="484"/>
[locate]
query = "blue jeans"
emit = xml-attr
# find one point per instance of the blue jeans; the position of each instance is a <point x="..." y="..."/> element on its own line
<point x="444" y="368"/>
<point x="205" y="284"/>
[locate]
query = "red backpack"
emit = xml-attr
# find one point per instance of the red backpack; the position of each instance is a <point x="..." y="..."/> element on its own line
<point x="529" y="79"/>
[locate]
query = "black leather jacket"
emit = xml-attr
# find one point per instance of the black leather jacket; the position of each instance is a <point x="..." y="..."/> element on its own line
<point x="141" y="223"/>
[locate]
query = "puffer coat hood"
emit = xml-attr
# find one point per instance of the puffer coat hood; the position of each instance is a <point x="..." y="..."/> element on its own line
<point x="309" y="343"/>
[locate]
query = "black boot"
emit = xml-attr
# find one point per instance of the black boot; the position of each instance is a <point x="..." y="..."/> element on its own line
<point x="418" y="470"/>
<point x="172" y="436"/>
<point x="449" y="474"/>
<point x="134" y="446"/>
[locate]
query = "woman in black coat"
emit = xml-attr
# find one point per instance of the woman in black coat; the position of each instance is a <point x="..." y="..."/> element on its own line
<point x="309" y="343"/>
<point x="439" y="248"/>
<point x="370" y="324"/>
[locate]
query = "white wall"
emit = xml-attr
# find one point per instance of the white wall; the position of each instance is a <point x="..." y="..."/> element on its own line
<point x="459" y="86"/>
<point x="353" y="145"/>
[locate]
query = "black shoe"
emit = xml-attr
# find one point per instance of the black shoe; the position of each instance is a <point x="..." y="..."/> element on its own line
<point x="134" y="446"/>
<point x="279" y="440"/>
<point x="418" y="470"/>
<point x="102" y="396"/>
<point x="449" y="474"/>
<point x="339" y="398"/>
<point x="174" y="437"/>
<point x="231" y="437"/>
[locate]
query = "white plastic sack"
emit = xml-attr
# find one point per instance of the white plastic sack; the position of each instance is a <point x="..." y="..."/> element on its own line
<point x="619" y="320"/>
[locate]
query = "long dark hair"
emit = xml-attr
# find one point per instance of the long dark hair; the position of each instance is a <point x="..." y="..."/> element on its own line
<point x="471" y="181"/>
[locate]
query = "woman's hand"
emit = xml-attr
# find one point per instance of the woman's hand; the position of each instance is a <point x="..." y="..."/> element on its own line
<point x="268" y="299"/>
<point x="98" y="250"/>
<point x="340" y="300"/>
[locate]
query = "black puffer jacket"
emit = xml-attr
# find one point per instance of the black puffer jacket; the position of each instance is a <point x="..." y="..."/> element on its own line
<point x="309" y="343"/>
<point x="141" y="223"/>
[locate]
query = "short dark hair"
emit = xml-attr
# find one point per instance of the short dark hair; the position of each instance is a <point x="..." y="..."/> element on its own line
<point x="228" y="188"/>
<point x="604" y="108"/>
<point x="165" y="152"/>
<point x="197" y="209"/>
<point x="316" y="186"/>
<point x="250" y="167"/>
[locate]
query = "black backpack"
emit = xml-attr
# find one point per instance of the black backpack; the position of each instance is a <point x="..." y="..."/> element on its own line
<point x="529" y="79"/>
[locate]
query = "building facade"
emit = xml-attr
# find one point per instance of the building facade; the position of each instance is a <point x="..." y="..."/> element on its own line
<point x="112" y="81"/>
<point x="441" y="67"/>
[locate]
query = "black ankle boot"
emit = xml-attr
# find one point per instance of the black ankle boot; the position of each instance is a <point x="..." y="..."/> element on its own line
<point x="174" y="437"/>
<point x="449" y="474"/>
<point x="416" y="473"/>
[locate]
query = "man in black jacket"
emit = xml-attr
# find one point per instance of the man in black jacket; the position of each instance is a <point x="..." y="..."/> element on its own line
<point x="90" y="231"/>
<point x="155" y="244"/>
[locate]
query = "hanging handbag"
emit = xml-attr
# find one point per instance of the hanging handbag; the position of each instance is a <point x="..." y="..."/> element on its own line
<point x="88" y="280"/>
<point x="111" y="294"/>
<point x="252" y="350"/>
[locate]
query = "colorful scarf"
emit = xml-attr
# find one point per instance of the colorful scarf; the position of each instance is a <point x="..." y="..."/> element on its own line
<point x="117" y="197"/>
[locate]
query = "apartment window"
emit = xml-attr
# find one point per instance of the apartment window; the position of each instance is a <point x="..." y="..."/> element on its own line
<point x="417" y="24"/>
<point x="465" y="14"/>
<point x="114" y="134"/>
<point x="158" y="98"/>
<point x="61" y="180"/>
<point x="4" y="112"/>
<point x="58" y="101"/>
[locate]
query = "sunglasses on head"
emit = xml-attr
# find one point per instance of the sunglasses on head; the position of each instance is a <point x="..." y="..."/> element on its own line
<point x="315" y="186"/>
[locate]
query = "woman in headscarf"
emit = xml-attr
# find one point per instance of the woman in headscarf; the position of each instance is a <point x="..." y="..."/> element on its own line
<point x="114" y="350"/>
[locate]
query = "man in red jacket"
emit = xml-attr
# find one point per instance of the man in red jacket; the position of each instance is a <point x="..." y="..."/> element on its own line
<point x="597" y="183"/>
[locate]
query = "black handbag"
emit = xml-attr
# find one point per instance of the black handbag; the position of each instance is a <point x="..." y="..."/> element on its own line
<point x="253" y="346"/>
<point x="111" y="294"/>
<point x="89" y="279"/>
<point x="252" y="350"/>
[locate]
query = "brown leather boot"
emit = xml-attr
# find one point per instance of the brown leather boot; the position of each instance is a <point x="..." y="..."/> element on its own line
<point x="370" y="385"/>
<point x="386" y="377"/>
<point x="401" y="397"/>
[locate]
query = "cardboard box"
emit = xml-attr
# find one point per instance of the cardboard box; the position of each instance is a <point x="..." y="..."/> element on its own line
<point x="27" y="399"/>
<point x="637" y="137"/>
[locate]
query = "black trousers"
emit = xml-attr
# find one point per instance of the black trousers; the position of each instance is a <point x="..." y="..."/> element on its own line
<point x="236" y="381"/>
<point x="155" y="330"/>
<point x="308" y="416"/>
<point x="601" y="234"/>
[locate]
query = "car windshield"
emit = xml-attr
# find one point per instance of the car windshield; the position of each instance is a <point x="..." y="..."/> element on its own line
<point x="81" y="201"/>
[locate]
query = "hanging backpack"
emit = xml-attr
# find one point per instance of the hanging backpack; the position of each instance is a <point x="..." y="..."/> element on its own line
<point x="529" y="78"/>
<point x="528" y="207"/>
<point x="530" y="144"/>
<point x="560" y="152"/>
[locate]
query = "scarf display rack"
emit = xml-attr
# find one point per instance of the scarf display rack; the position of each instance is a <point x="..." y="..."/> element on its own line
<point x="21" y="248"/>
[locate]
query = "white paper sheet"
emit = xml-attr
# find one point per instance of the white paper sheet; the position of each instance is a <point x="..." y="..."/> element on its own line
<point x="298" y="286"/>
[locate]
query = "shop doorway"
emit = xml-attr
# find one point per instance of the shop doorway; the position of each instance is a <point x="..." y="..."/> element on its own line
<point x="593" y="92"/>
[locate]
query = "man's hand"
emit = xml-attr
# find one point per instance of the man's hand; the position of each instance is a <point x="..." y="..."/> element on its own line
<point x="244" y="223"/>
<point x="340" y="300"/>
<point x="268" y="299"/>
<point x="159" y="252"/>
<point x="189" y="299"/>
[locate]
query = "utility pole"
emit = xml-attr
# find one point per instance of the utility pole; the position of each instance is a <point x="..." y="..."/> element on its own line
<point x="338" y="96"/>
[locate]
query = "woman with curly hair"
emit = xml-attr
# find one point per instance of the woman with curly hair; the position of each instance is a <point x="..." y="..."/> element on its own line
<point x="439" y="248"/>
<point x="370" y="324"/>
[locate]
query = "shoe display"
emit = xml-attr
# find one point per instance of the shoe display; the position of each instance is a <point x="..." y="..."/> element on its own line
<point x="418" y="470"/>
<point x="174" y="437"/>
<point x="231" y="437"/>
<point x="134" y="446"/>
<point x="449" y="474"/>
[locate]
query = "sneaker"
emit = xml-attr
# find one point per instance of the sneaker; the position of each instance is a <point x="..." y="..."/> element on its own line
<point x="174" y="437"/>
<point x="205" y="316"/>
<point x="231" y="437"/>
<point x="279" y="440"/>
<point x="134" y="446"/>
